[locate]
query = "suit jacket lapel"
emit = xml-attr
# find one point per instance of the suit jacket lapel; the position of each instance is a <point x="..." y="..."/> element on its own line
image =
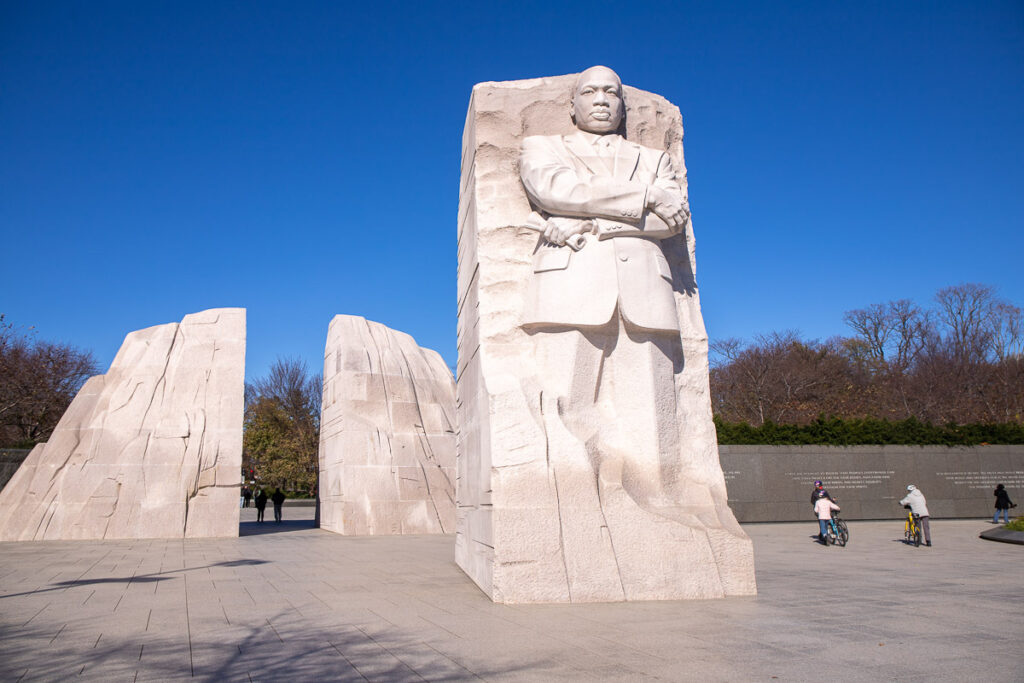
<point x="578" y="149"/>
<point x="626" y="158"/>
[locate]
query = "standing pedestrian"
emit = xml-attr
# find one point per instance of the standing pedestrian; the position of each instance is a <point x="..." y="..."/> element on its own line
<point x="919" y="506"/>
<point x="246" y="495"/>
<point x="818" y="488"/>
<point x="261" y="504"/>
<point x="278" y="499"/>
<point x="1003" y="503"/>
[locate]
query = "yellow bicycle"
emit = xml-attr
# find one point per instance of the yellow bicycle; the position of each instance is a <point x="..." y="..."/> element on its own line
<point x="912" y="529"/>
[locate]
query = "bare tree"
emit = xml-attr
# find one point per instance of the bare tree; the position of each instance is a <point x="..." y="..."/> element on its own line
<point x="966" y="310"/>
<point x="38" y="381"/>
<point x="874" y="326"/>
<point x="913" y="327"/>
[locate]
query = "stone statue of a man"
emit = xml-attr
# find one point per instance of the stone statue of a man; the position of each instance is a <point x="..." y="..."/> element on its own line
<point x="602" y="311"/>
<point x="588" y="468"/>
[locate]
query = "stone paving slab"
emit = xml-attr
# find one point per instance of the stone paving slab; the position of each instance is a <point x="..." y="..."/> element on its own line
<point x="290" y="601"/>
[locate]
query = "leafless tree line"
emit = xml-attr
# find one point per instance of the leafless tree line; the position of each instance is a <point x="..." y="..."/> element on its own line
<point x="38" y="380"/>
<point x="960" y="360"/>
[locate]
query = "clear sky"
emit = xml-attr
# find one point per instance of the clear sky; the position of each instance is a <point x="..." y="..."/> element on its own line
<point x="301" y="159"/>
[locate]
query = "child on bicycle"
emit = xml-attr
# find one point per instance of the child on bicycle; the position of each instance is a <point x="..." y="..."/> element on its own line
<point x="823" y="507"/>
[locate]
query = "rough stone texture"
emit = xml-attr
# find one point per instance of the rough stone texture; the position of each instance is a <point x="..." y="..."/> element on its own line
<point x="387" y="434"/>
<point x="152" y="449"/>
<point x="521" y="535"/>
<point x="773" y="483"/>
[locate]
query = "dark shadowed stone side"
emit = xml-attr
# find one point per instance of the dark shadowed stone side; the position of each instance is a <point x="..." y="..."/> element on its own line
<point x="10" y="461"/>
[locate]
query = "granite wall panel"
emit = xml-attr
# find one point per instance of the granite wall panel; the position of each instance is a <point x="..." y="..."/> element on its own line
<point x="773" y="483"/>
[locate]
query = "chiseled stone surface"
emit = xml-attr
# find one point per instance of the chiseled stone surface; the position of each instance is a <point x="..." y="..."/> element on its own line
<point x="151" y="449"/>
<point x="387" y="434"/>
<point x="588" y="466"/>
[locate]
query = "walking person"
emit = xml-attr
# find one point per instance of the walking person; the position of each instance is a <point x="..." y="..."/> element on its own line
<point x="261" y="504"/>
<point x="823" y="507"/>
<point x="246" y="496"/>
<point x="919" y="506"/>
<point x="1003" y="503"/>
<point x="278" y="499"/>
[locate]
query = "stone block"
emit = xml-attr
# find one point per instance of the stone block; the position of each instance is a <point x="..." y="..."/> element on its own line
<point x="387" y="459"/>
<point x="151" y="449"/>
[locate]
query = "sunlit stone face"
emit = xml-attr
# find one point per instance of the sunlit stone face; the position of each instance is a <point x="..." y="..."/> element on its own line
<point x="597" y="101"/>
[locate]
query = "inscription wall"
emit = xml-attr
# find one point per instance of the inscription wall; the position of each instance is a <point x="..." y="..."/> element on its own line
<point x="773" y="483"/>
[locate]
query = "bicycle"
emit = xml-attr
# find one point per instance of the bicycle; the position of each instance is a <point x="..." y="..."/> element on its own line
<point x="912" y="529"/>
<point x="838" y="533"/>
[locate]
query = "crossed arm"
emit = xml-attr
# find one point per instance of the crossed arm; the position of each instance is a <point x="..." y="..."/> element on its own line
<point x="554" y="184"/>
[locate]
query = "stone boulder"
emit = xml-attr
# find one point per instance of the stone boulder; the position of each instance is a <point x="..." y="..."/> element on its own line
<point x="387" y="433"/>
<point x="151" y="449"/>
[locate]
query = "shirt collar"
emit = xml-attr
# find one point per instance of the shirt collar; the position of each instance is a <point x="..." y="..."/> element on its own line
<point x="592" y="138"/>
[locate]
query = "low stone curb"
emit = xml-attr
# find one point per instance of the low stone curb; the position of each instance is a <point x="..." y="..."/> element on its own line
<point x="1003" y="535"/>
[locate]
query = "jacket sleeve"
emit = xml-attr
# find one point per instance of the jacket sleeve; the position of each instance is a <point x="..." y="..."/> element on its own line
<point x="554" y="184"/>
<point x="905" y="501"/>
<point x="667" y="176"/>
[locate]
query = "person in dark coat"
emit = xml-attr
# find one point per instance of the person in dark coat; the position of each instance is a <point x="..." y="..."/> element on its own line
<point x="816" y="493"/>
<point x="246" y="496"/>
<point x="261" y="504"/>
<point x="278" y="499"/>
<point x="1003" y="503"/>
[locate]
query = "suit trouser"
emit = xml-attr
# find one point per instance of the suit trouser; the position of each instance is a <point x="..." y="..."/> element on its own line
<point x="613" y="389"/>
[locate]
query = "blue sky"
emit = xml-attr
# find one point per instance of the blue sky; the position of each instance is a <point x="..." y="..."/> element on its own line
<point x="302" y="159"/>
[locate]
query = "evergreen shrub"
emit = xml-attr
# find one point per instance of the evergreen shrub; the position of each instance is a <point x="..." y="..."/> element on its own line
<point x="867" y="432"/>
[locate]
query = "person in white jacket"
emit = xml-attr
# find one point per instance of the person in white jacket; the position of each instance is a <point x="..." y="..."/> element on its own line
<point x="919" y="506"/>
<point x="824" y="507"/>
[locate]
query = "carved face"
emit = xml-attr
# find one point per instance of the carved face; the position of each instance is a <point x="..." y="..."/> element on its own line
<point x="597" y="102"/>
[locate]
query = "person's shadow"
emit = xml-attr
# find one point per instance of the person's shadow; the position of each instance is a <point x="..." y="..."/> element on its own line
<point x="272" y="527"/>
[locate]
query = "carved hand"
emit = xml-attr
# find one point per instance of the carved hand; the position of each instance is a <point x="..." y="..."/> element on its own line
<point x="560" y="229"/>
<point x="668" y="206"/>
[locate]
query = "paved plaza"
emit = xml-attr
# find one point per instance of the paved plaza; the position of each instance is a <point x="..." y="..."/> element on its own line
<point x="290" y="602"/>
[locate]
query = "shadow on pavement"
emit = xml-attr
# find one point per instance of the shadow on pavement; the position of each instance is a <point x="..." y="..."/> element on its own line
<point x="136" y="578"/>
<point x="251" y="651"/>
<point x="272" y="527"/>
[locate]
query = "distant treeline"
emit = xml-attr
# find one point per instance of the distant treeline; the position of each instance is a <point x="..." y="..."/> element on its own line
<point x="903" y="371"/>
<point x="867" y="432"/>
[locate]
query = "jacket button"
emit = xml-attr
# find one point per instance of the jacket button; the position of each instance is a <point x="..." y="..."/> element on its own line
<point x="623" y="258"/>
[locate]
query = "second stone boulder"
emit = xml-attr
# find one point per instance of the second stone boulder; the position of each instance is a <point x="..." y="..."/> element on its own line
<point x="387" y="436"/>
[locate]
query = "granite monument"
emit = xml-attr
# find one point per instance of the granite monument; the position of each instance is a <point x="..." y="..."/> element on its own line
<point x="587" y="462"/>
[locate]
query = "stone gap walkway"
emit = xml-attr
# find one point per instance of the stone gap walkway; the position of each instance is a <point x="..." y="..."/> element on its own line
<point x="306" y="604"/>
